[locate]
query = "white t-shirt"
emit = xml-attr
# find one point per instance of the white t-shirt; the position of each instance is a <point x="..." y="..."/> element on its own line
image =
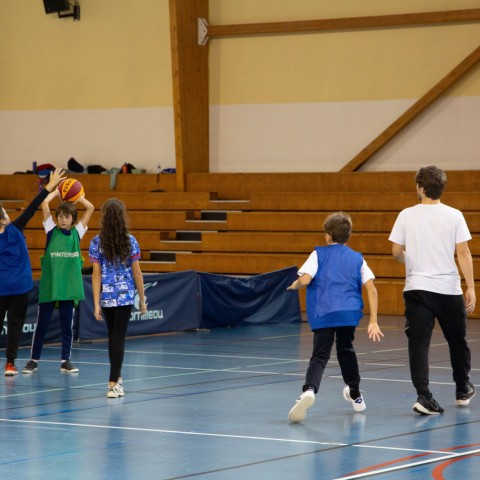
<point x="430" y="233"/>
<point x="49" y="224"/>
<point x="311" y="267"/>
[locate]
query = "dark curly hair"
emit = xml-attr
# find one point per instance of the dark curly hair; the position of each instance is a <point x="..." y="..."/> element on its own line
<point x="114" y="237"/>
<point x="432" y="180"/>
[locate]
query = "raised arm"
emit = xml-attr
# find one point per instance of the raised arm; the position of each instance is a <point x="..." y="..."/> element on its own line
<point x="466" y="266"/>
<point x="46" y="203"/>
<point x="55" y="178"/>
<point x="88" y="210"/>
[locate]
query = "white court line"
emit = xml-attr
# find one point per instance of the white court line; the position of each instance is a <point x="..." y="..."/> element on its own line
<point x="278" y="361"/>
<point x="398" y="449"/>
<point x="223" y="435"/>
<point x="246" y="437"/>
<point x="230" y="370"/>
<point x="176" y="432"/>
<point x="408" y="465"/>
<point x="184" y="354"/>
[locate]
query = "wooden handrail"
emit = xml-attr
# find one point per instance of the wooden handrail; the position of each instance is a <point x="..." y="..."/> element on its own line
<point x="399" y="20"/>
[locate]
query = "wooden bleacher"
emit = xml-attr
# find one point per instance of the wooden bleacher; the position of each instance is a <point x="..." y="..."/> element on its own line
<point x="247" y="224"/>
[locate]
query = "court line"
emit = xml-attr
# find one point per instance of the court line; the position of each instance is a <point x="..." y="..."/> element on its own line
<point x="371" y="473"/>
<point x="176" y="432"/>
<point x="199" y="371"/>
<point x="223" y="435"/>
<point x="278" y="361"/>
<point x="244" y="357"/>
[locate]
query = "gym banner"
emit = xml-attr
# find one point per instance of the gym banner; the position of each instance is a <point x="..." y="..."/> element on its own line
<point x="182" y="301"/>
<point x="229" y="301"/>
<point x="173" y="305"/>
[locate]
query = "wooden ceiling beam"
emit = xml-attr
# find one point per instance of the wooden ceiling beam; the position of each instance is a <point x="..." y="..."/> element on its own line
<point x="414" y="111"/>
<point x="380" y="21"/>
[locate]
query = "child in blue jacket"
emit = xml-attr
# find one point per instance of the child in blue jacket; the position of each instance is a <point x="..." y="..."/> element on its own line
<point x="334" y="276"/>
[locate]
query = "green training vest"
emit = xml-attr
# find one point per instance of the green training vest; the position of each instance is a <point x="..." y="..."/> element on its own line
<point x="62" y="268"/>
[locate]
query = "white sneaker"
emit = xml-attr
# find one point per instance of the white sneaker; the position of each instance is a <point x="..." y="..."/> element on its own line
<point x="358" y="404"/>
<point x="121" y="392"/>
<point x="303" y="403"/>
<point x="114" y="392"/>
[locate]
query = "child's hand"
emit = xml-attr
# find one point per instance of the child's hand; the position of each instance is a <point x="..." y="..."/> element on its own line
<point x="143" y="307"/>
<point x="374" y="332"/>
<point x="293" y="286"/>
<point x="98" y="313"/>
<point x="55" y="178"/>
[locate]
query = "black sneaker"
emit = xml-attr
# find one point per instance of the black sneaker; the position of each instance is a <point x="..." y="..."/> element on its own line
<point x="463" y="398"/>
<point x="427" y="407"/>
<point x="30" y="367"/>
<point x="68" y="367"/>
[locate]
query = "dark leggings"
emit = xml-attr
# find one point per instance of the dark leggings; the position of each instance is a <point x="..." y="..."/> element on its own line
<point x="421" y="309"/>
<point x="323" y="339"/>
<point x="66" y="310"/>
<point x="117" y="319"/>
<point x="15" y="306"/>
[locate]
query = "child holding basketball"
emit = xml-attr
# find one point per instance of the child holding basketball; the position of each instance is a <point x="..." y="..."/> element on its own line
<point x="334" y="276"/>
<point x="15" y="271"/>
<point x="116" y="274"/>
<point x="61" y="282"/>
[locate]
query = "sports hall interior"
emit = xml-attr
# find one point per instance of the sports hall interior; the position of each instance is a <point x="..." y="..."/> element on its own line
<point x="273" y="115"/>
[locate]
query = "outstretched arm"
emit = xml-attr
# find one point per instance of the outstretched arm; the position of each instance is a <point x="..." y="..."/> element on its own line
<point x="374" y="331"/>
<point x="88" y="210"/>
<point x="55" y="178"/>
<point x="46" y="203"/>
<point x="300" y="282"/>
<point x="466" y="266"/>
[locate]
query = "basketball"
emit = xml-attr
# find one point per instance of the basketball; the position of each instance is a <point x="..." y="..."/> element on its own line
<point x="70" y="190"/>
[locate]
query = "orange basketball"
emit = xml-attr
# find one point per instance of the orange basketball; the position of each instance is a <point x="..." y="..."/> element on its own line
<point x="70" y="190"/>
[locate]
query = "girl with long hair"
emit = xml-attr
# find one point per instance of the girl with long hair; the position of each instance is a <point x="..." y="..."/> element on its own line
<point x="115" y="256"/>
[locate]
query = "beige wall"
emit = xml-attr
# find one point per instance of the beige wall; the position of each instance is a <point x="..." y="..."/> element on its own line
<point x="100" y="89"/>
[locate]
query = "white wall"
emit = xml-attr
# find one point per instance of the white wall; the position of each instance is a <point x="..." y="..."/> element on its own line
<point x="143" y="137"/>
<point x="298" y="137"/>
<point x="325" y="136"/>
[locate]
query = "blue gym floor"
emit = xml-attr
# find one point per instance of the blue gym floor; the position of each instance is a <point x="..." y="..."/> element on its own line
<point x="214" y="405"/>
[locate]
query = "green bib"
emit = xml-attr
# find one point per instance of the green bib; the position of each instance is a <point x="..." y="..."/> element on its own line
<point x="62" y="268"/>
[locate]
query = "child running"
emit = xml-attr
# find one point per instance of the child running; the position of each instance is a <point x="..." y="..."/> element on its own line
<point x="115" y="255"/>
<point x="334" y="275"/>
<point x="61" y="283"/>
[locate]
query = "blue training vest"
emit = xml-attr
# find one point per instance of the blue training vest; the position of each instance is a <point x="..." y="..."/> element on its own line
<point x="334" y="296"/>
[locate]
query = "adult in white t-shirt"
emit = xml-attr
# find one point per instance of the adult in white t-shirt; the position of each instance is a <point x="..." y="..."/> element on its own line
<point x="426" y="237"/>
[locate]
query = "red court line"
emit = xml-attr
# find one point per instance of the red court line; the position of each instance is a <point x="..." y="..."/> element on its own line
<point x="437" y="472"/>
<point x="411" y="457"/>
